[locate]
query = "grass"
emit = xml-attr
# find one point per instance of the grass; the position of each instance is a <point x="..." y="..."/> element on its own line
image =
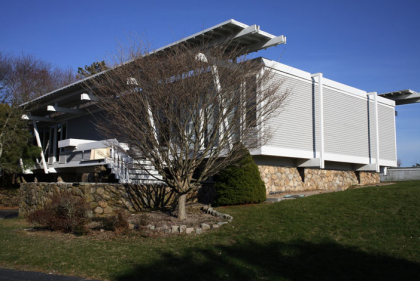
<point x="361" y="234"/>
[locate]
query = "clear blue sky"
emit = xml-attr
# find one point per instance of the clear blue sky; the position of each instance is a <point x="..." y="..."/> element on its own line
<point x="371" y="44"/>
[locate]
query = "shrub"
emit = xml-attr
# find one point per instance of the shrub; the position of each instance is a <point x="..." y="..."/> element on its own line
<point x="9" y="197"/>
<point x="64" y="213"/>
<point x="117" y="223"/>
<point x="240" y="183"/>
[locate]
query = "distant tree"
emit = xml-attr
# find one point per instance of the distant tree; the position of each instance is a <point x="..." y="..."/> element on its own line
<point x="416" y="165"/>
<point x="25" y="77"/>
<point x="89" y="70"/>
<point x="399" y="163"/>
<point x="5" y="70"/>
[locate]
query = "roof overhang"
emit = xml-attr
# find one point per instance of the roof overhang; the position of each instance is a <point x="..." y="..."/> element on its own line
<point x="402" y="97"/>
<point x="236" y="34"/>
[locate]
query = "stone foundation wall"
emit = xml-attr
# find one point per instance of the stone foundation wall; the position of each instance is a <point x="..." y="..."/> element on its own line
<point x="278" y="178"/>
<point x="103" y="198"/>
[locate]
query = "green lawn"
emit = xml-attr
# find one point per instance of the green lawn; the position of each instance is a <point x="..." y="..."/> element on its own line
<point x="361" y="234"/>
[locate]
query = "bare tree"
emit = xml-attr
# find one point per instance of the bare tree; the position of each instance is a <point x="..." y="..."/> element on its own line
<point x="399" y="162"/>
<point x="25" y="77"/>
<point x="186" y="109"/>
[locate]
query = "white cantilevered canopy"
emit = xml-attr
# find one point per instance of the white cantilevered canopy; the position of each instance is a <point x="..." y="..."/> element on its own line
<point x="237" y="34"/>
<point x="403" y="97"/>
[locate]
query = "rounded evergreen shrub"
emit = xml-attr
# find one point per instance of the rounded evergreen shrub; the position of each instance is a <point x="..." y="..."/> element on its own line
<point x="240" y="183"/>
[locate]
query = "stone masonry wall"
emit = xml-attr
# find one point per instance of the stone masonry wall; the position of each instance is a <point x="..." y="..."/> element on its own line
<point x="103" y="198"/>
<point x="278" y="178"/>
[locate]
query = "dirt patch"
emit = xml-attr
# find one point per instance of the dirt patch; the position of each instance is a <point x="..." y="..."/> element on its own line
<point x="142" y="221"/>
<point x="195" y="217"/>
<point x="9" y="198"/>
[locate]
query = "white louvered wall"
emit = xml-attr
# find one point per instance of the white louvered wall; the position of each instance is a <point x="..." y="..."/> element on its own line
<point x="349" y="122"/>
<point x="297" y="113"/>
<point x="345" y="124"/>
<point x="387" y="145"/>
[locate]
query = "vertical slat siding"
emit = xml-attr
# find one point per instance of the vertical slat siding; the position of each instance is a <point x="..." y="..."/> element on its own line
<point x="386" y="133"/>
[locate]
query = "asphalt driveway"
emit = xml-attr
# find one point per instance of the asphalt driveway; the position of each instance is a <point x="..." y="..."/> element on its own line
<point x="8" y="213"/>
<point x="17" y="275"/>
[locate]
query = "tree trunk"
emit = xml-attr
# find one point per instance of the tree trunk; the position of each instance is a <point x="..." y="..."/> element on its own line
<point x="182" y="215"/>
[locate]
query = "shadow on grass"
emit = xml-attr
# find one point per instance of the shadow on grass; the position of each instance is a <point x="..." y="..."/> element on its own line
<point x="297" y="260"/>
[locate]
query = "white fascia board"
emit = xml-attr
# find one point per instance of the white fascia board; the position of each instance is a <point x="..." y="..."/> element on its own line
<point x="286" y="152"/>
<point x="327" y="83"/>
<point x="385" y="101"/>
<point x="287" y="69"/>
<point x="305" y="154"/>
<point x="93" y="145"/>
<point x="73" y="142"/>
<point x="346" y="158"/>
<point x="387" y="163"/>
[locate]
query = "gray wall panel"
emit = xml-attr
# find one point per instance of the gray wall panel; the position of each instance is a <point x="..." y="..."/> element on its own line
<point x="83" y="128"/>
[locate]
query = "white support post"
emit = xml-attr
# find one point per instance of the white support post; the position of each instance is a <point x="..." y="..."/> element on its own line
<point x="260" y="105"/>
<point x="375" y="102"/>
<point x="321" y="119"/>
<point x="215" y="74"/>
<point x="38" y="141"/>
<point x="54" y="144"/>
<point x="152" y="122"/>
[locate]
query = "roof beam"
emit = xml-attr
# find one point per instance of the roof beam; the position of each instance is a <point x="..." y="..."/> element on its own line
<point x="88" y="97"/>
<point x="367" y="167"/>
<point x="266" y="44"/>
<point x="53" y="108"/>
<point x="403" y="97"/>
<point x="38" y="118"/>
<point x="308" y="163"/>
<point x="244" y="32"/>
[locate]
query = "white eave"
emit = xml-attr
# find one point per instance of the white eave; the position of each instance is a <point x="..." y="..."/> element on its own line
<point x="250" y="38"/>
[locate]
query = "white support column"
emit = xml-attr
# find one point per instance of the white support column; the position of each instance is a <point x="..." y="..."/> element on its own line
<point x="375" y="102"/>
<point x="54" y="144"/>
<point x="215" y="74"/>
<point x="38" y="141"/>
<point x="321" y="118"/>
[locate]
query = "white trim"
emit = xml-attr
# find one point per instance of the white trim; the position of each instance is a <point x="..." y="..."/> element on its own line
<point x="375" y="100"/>
<point x="72" y="142"/>
<point x="395" y="140"/>
<point x="388" y="163"/>
<point x="346" y="158"/>
<point x="284" y="152"/>
<point x="55" y="142"/>
<point x="321" y="119"/>
<point x="306" y="76"/>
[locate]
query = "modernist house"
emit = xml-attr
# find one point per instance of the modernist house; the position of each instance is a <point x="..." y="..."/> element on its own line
<point x="329" y="135"/>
